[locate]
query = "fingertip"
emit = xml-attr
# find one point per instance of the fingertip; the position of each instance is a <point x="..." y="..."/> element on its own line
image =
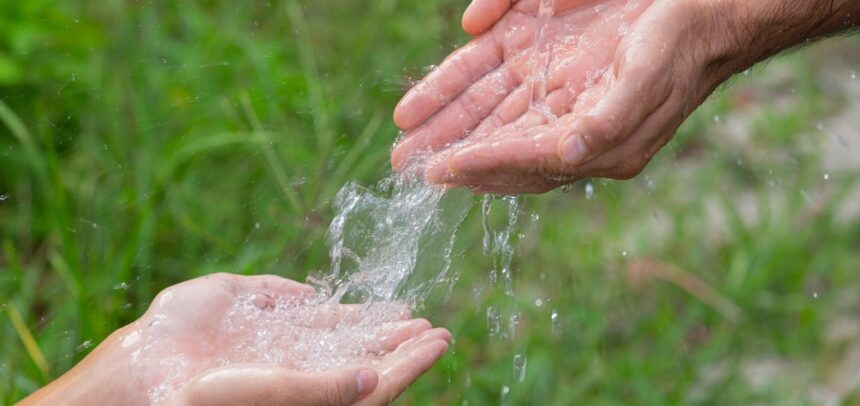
<point x="481" y="15"/>
<point x="440" y="347"/>
<point x="469" y="23"/>
<point x="414" y="107"/>
<point x="400" y="116"/>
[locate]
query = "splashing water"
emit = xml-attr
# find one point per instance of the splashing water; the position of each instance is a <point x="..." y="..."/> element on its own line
<point x="520" y="364"/>
<point x="390" y="246"/>
<point x="378" y="236"/>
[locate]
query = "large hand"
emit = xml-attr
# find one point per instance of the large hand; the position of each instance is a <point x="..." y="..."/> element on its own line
<point x="227" y="339"/>
<point x="622" y="77"/>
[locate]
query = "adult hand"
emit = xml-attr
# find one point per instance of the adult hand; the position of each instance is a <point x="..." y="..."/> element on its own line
<point x="228" y="339"/>
<point x="623" y="76"/>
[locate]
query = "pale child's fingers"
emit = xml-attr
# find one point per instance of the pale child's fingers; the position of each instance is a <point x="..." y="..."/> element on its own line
<point x="390" y="335"/>
<point x="273" y="284"/>
<point x="460" y="70"/>
<point x="262" y="385"/>
<point x="329" y="315"/>
<point x="406" y="364"/>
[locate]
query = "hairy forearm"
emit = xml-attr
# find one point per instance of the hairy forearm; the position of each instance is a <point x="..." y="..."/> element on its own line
<point x="749" y="31"/>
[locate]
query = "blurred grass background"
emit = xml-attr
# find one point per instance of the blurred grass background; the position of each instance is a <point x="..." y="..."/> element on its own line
<point x="145" y="143"/>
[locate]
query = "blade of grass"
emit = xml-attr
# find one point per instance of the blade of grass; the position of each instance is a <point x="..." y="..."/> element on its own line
<point x="316" y="94"/>
<point x="27" y="339"/>
<point x="347" y="163"/>
<point x="273" y="160"/>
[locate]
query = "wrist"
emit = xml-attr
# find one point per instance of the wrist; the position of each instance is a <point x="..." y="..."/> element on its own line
<point x="744" y="32"/>
<point x="105" y="376"/>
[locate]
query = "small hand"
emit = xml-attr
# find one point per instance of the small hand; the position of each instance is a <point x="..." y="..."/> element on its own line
<point x="622" y="77"/>
<point x="228" y="339"/>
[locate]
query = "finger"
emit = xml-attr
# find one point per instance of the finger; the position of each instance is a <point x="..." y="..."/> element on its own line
<point x="460" y="70"/>
<point x="381" y="311"/>
<point x="402" y="367"/>
<point x="459" y="117"/>
<point x="628" y="102"/>
<point x="483" y="14"/>
<point x="512" y="108"/>
<point x="332" y="315"/>
<point x="260" y="385"/>
<point x="515" y="154"/>
<point x="273" y="284"/>
<point x="390" y="335"/>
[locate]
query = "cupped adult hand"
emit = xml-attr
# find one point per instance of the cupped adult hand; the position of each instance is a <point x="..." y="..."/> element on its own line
<point x="622" y="76"/>
<point x="200" y="344"/>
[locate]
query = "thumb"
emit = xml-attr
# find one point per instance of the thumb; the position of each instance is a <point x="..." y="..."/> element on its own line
<point x="260" y="385"/>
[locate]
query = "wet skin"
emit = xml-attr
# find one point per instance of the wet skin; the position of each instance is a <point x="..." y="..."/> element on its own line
<point x="623" y="77"/>
<point x="186" y="319"/>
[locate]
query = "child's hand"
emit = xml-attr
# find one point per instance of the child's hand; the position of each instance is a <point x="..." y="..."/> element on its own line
<point x="172" y="353"/>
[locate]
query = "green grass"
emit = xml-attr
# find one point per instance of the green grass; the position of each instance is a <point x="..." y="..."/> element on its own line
<point x="145" y="143"/>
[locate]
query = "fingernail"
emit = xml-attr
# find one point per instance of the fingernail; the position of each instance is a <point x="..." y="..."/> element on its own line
<point x="573" y="151"/>
<point x="367" y="380"/>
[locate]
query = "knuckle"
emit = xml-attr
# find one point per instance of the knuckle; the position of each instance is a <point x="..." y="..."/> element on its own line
<point x="336" y="394"/>
<point x="603" y="132"/>
<point x="472" y="106"/>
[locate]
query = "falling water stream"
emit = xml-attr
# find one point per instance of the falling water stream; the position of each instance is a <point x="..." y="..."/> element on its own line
<point x="390" y="246"/>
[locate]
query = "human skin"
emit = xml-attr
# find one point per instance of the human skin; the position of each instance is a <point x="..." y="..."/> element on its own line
<point x="185" y="319"/>
<point x="623" y="77"/>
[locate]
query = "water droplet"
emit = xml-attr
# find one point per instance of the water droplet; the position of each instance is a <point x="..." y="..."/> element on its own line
<point x="555" y="323"/>
<point x="513" y="322"/>
<point x="538" y="302"/>
<point x="853" y="74"/>
<point x="486" y="204"/>
<point x="84" y="346"/>
<point x="520" y="364"/>
<point x="623" y="253"/>
<point x="815" y="295"/>
<point x="589" y="190"/>
<point x="120" y="286"/>
<point x="494" y="321"/>
<point x="826" y="176"/>
<point x="504" y="396"/>
<point x="649" y="183"/>
<point x="4" y="197"/>
<point x="717" y="119"/>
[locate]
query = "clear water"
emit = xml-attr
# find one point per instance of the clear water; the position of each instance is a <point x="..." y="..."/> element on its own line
<point x="542" y="59"/>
